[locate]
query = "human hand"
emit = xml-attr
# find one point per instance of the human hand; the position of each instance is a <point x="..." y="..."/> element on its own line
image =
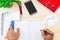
<point x="12" y="35"/>
<point x="48" y="36"/>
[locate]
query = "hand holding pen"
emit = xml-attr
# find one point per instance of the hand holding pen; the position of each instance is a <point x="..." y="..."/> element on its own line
<point x="47" y="34"/>
<point x="12" y="35"/>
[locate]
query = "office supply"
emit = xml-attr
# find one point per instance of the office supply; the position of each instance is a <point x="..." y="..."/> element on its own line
<point x="20" y="7"/>
<point x="7" y="18"/>
<point x="50" y="19"/>
<point x="52" y="5"/>
<point x="2" y="24"/>
<point x="12" y="24"/>
<point x="30" y="7"/>
<point x="47" y="33"/>
<point x="30" y="30"/>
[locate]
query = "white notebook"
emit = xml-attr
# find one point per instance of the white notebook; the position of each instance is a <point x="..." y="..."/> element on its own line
<point x="30" y="30"/>
<point x="7" y="17"/>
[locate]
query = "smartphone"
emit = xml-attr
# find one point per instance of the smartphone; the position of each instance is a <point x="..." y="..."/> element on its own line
<point x="30" y="7"/>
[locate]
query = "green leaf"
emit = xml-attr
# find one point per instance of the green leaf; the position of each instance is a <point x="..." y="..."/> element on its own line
<point x="6" y="3"/>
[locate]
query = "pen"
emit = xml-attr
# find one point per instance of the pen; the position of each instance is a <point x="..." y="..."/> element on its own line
<point x="20" y="7"/>
<point x="12" y="24"/>
<point x="47" y="33"/>
<point x="2" y="23"/>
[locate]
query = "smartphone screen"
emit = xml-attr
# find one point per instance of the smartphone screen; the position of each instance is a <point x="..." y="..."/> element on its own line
<point x="30" y="7"/>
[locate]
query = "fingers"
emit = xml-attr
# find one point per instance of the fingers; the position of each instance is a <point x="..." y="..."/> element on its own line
<point x="48" y="31"/>
<point x="18" y="32"/>
<point x="12" y="34"/>
<point x="9" y="28"/>
<point x="43" y="34"/>
<point x="8" y="31"/>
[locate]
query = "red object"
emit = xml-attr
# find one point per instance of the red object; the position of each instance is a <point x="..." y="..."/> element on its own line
<point x="52" y="5"/>
<point x="20" y="8"/>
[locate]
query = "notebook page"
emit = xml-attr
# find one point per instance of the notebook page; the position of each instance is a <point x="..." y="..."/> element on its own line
<point x="36" y="26"/>
<point x="24" y="29"/>
<point x="7" y="18"/>
<point x="30" y="30"/>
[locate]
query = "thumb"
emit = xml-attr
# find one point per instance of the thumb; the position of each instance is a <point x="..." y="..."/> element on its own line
<point x="10" y="28"/>
<point x="8" y="31"/>
<point x="18" y="32"/>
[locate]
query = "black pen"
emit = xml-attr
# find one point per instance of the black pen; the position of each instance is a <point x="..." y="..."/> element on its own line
<point x="47" y="33"/>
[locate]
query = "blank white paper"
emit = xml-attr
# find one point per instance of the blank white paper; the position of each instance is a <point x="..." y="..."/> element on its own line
<point x="30" y="30"/>
<point x="24" y="29"/>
